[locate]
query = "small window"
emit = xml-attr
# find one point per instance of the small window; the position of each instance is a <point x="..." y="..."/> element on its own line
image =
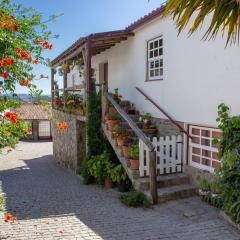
<point x="155" y="59"/>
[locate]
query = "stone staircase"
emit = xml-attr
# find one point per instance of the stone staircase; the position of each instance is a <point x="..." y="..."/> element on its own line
<point x="170" y="187"/>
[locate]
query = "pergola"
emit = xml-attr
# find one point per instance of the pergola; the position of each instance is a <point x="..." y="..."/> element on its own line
<point x="85" y="48"/>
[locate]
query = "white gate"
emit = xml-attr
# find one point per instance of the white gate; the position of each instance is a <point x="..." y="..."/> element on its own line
<point x="169" y="155"/>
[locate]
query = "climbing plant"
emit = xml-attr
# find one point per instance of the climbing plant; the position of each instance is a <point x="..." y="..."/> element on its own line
<point x="95" y="139"/>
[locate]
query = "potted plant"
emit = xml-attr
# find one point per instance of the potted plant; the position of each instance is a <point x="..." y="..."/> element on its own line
<point x="121" y="135"/>
<point x="126" y="145"/>
<point x="119" y="176"/>
<point x="147" y="118"/>
<point x="151" y="129"/>
<point x="100" y="168"/>
<point x="114" y="132"/>
<point x="116" y="95"/>
<point x="112" y="120"/>
<point x="134" y="156"/>
<point x="111" y="108"/>
<point x="65" y="67"/>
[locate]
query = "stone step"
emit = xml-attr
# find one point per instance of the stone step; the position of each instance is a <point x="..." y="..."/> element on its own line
<point x="174" y="192"/>
<point x="164" y="181"/>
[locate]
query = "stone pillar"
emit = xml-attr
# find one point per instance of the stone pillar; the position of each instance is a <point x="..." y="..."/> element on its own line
<point x="35" y="130"/>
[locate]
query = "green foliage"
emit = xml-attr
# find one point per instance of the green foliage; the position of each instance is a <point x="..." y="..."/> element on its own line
<point x="100" y="167"/>
<point x="147" y="117"/>
<point x="204" y="184"/>
<point x="121" y="131"/>
<point x="118" y="174"/>
<point x="2" y="203"/>
<point x="30" y="27"/>
<point x="113" y="116"/>
<point x="225" y="192"/>
<point x="224" y="16"/>
<point x="95" y="140"/>
<point x="10" y="133"/>
<point x="134" y="199"/>
<point x="134" y="152"/>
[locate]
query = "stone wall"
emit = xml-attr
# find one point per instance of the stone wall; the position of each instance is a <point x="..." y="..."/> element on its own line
<point x="69" y="146"/>
<point x="196" y="175"/>
<point x="166" y="127"/>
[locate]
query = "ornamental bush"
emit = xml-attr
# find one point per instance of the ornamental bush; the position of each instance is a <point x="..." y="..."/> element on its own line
<point x="225" y="194"/>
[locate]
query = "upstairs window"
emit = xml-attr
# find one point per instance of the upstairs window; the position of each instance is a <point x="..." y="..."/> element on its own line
<point x="155" y="59"/>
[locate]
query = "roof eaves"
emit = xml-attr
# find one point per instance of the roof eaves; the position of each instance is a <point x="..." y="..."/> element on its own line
<point x="147" y="18"/>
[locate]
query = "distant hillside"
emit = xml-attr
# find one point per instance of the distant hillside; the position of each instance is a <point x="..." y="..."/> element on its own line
<point x="26" y="98"/>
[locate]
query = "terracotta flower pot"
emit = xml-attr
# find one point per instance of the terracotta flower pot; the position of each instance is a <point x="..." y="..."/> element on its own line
<point x="114" y="135"/>
<point x="108" y="183"/>
<point x="125" y="151"/>
<point x="134" y="164"/>
<point x="120" y="141"/>
<point x="151" y="130"/>
<point x="111" y="109"/>
<point x="111" y="124"/>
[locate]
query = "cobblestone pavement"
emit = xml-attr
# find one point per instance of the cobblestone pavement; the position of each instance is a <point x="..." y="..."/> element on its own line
<point x="51" y="203"/>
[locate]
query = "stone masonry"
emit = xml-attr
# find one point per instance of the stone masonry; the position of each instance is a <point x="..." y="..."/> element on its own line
<point x="69" y="146"/>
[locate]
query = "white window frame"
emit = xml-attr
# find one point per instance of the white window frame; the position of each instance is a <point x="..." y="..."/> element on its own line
<point x="155" y="62"/>
<point x="213" y="149"/>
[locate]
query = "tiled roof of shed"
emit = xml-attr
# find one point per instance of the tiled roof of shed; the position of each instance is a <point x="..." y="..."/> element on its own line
<point x="29" y="111"/>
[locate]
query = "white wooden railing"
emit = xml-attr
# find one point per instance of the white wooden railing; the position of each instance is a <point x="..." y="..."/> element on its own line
<point x="169" y="151"/>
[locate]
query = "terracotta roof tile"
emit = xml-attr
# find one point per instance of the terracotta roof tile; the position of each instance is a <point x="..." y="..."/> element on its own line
<point x="29" y="111"/>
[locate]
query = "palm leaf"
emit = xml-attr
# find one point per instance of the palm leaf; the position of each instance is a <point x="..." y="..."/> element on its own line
<point x="224" y="14"/>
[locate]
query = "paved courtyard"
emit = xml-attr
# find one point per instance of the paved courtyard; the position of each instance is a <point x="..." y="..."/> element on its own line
<point x="51" y="203"/>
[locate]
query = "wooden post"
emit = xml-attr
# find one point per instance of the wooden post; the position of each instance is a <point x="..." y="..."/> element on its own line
<point x="52" y="84"/>
<point x="90" y="86"/>
<point x="153" y="176"/>
<point x="64" y="88"/>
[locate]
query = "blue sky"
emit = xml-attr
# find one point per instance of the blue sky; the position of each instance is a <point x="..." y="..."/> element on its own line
<point x="82" y="17"/>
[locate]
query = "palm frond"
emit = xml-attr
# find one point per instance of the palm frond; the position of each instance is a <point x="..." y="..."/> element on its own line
<point x="224" y="14"/>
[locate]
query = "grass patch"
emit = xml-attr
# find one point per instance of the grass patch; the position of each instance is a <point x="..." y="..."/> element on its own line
<point x="135" y="199"/>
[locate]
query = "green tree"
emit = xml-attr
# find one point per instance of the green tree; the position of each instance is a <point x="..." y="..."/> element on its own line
<point x="24" y="37"/>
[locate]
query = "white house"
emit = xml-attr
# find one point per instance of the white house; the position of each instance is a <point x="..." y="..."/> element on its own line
<point x="186" y="77"/>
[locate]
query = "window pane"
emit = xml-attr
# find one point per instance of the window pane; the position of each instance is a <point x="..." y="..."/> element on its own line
<point x="152" y="65"/>
<point x="157" y="72"/>
<point x="155" y="53"/>
<point x="161" y="71"/>
<point x="160" y="51"/>
<point x="151" y="45"/>
<point x="160" y="42"/>
<point x="156" y="44"/>
<point x="152" y="73"/>
<point x="157" y="63"/>
<point x="151" y="54"/>
<point x="161" y="62"/>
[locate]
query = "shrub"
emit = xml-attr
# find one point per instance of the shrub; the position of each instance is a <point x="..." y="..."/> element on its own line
<point x="135" y="199"/>
<point x="118" y="174"/>
<point x="99" y="167"/>
<point x="225" y="192"/>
